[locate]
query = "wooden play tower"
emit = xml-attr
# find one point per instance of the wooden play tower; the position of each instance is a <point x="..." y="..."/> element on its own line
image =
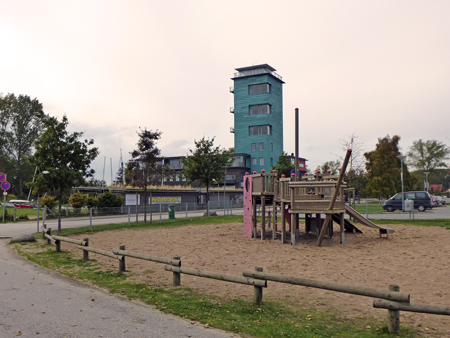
<point x="313" y="196"/>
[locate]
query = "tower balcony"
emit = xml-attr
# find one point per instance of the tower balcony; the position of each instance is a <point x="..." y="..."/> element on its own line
<point x="257" y="71"/>
<point x="232" y="110"/>
<point x="232" y="90"/>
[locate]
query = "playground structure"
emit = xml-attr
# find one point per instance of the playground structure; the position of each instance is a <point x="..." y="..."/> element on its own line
<point x="313" y="196"/>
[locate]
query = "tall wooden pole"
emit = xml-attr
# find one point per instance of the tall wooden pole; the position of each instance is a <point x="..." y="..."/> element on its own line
<point x="326" y="223"/>
<point x="296" y="145"/>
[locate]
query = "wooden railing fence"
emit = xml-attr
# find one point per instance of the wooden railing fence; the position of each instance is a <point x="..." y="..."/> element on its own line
<point x="392" y="299"/>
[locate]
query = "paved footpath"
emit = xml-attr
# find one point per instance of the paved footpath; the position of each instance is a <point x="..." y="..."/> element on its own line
<point x="35" y="302"/>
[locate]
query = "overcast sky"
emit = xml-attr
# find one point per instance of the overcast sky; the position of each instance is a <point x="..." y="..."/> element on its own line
<point x="368" y="68"/>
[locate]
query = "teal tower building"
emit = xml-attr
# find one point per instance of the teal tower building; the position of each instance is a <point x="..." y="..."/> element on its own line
<point x="258" y="116"/>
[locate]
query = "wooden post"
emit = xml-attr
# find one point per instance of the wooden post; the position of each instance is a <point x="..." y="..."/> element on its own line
<point x="58" y="245"/>
<point x="263" y="216"/>
<point x="293" y="238"/>
<point x="258" y="291"/>
<point x="122" y="261"/>
<point x="342" y="224"/>
<point x="177" y="275"/>
<point x="274" y="214"/>
<point x="283" y="222"/>
<point x="393" y="315"/>
<point x="85" y="252"/>
<point x="44" y="230"/>
<point x="254" y="216"/>
<point x="49" y="232"/>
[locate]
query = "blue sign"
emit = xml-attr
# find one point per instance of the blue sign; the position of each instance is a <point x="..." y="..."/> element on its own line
<point x="5" y="185"/>
<point x="2" y="177"/>
<point x="293" y="172"/>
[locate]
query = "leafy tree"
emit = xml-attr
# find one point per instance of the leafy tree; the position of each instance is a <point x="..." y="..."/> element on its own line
<point x="383" y="167"/>
<point x="110" y="200"/>
<point x="428" y="155"/>
<point x="206" y="164"/>
<point x="284" y="165"/>
<point x="78" y="200"/>
<point x="63" y="160"/>
<point x="21" y="124"/>
<point x="333" y="166"/>
<point x="143" y="163"/>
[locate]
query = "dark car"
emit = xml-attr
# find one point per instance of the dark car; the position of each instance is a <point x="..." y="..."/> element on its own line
<point x="422" y="201"/>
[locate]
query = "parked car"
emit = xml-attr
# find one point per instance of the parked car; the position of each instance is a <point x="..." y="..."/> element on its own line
<point x="441" y="200"/>
<point x="422" y="201"/>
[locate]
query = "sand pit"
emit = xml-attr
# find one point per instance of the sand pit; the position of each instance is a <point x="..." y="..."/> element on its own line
<point x="415" y="258"/>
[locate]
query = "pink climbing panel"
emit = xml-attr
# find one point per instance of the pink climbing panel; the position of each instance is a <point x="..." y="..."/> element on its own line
<point x="248" y="208"/>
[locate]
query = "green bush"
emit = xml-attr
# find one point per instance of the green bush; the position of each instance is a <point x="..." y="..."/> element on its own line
<point x="48" y="201"/>
<point x="110" y="200"/>
<point x="92" y="202"/>
<point x="78" y="200"/>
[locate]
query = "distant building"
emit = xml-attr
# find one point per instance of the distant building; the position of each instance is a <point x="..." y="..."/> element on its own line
<point x="258" y="116"/>
<point x="258" y="128"/>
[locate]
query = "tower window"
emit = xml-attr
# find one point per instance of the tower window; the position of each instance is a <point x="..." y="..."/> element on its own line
<point x="259" y="109"/>
<point x="261" y="161"/>
<point x="254" y="161"/>
<point x="261" y="146"/>
<point x="259" y="88"/>
<point x="253" y="146"/>
<point x="260" y="130"/>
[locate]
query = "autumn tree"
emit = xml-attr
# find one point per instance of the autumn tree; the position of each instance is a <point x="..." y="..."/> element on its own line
<point x="206" y="164"/>
<point x="383" y="172"/>
<point x="21" y="124"/>
<point x="62" y="159"/>
<point x="428" y="155"/>
<point x="143" y="162"/>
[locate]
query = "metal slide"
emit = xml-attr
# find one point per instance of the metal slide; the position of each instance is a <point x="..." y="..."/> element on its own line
<point x="364" y="221"/>
<point x="349" y="227"/>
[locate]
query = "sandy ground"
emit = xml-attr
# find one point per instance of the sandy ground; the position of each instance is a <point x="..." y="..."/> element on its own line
<point x="415" y="258"/>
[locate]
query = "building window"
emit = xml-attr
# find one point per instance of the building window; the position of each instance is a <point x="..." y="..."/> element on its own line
<point x="271" y="161"/>
<point x="259" y="109"/>
<point x="254" y="161"/>
<point x="260" y="130"/>
<point x="253" y="146"/>
<point x="271" y="147"/>
<point x="261" y="146"/>
<point x="261" y="161"/>
<point x="259" y="88"/>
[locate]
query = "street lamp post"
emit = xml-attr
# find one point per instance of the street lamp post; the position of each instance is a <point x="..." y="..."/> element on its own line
<point x="426" y="180"/>
<point x="402" y="158"/>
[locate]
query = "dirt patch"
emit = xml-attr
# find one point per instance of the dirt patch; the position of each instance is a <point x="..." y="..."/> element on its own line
<point x="415" y="258"/>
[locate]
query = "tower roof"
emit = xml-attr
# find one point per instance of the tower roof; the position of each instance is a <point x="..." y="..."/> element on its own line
<point x="265" y="66"/>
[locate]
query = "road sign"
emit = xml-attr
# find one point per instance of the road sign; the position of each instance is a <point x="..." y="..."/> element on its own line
<point x="5" y="185"/>
<point x="2" y="177"/>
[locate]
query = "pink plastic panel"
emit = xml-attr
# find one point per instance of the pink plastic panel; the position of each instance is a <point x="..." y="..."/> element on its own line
<point x="248" y="209"/>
